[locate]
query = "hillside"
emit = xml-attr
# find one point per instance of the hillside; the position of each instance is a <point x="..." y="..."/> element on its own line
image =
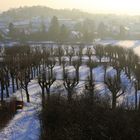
<point x="28" y="12"/>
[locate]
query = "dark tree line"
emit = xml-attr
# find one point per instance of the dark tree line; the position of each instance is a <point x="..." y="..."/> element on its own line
<point x="21" y="64"/>
<point x="122" y="60"/>
<point x="90" y="116"/>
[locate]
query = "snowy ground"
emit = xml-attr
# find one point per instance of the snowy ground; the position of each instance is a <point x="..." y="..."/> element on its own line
<point x="25" y="125"/>
<point x="133" y="44"/>
<point x="100" y="87"/>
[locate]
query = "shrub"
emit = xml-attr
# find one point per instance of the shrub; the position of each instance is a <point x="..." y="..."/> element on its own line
<point x="83" y="120"/>
<point x="7" y="111"/>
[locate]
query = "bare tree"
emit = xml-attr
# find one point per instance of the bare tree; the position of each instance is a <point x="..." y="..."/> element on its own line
<point x="136" y="95"/>
<point x="24" y="78"/>
<point x="99" y="49"/>
<point x="118" y="69"/>
<point x="91" y="81"/>
<point x="50" y="79"/>
<point x="6" y="81"/>
<point x="41" y="81"/>
<point x="89" y="53"/>
<point x="10" y="61"/>
<point x="132" y="61"/>
<point x="24" y="69"/>
<point x="91" y="65"/>
<point x="70" y="84"/>
<point x="90" y="86"/>
<point x="47" y="78"/>
<point x="70" y="53"/>
<point x="77" y="64"/>
<point x="50" y="64"/>
<point x="59" y="52"/>
<point x="45" y="55"/>
<point x="108" y="51"/>
<point x="64" y="65"/>
<point x="2" y="84"/>
<point x="115" y="88"/>
<point x="79" y="53"/>
<point x="105" y="66"/>
<point x="137" y="75"/>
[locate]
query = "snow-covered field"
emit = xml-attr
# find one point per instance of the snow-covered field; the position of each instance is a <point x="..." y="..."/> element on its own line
<point x="133" y="44"/>
<point x="26" y="126"/>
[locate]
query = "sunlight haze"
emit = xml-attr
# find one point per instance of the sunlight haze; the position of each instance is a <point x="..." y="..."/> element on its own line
<point x="100" y="6"/>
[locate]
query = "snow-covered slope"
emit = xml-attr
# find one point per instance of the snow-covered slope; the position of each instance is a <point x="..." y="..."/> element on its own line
<point x="25" y="125"/>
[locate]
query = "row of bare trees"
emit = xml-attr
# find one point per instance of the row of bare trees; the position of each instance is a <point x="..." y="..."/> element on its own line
<point x="20" y="64"/>
<point x="119" y="58"/>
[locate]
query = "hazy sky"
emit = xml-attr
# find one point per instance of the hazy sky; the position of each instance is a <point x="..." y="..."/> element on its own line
<point x="108" y="6"/>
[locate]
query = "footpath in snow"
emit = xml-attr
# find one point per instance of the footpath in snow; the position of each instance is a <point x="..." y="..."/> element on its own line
<point x="25" y="125"/>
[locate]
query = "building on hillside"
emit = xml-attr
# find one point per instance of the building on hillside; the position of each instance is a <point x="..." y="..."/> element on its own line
<point x="69" y="23"/>
<point x="134" y="32"/>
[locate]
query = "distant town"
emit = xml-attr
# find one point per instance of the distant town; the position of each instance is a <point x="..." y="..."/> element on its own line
<point x="37" y="27"/>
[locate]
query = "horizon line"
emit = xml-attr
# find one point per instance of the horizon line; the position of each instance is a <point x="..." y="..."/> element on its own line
<point x="70" y="9"/>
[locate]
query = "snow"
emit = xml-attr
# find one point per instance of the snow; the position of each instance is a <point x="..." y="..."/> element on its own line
<point x="25" y="125"/>
<point x="133" y="44"/>
<point x="100" y="87"/>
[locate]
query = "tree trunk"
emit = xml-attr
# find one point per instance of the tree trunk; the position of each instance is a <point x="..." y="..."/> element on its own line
<point x="70" y="60"/>
<point x="113" y="102"/>
<point x="77" y="74"/>
<point x="51" y="72"/>
<point x="63" y="71"/>
<point x="105" y="73"/>
<point x="91" y="93"/>
<point x="136" y="97"/>
<point x="13" y="86"/>
<point x="34" y="72"/>
<point x="48" y="93"/>
<point x="69" y="95"/>
<point x="89" y="58"/>
<point x="17" y="83"/>
<point x="7" y="91"/>
<point x="138" y="84"/>
<point x="27" y="94"/>
<point x="100" y="59"/>
<point x="125" y="69"/>
<point x="80" y="59"/>
<point x="110" y="59"/>
<point x="91" y="75"/>
<point x="31" y="69"/>
<point x="7" y="79"/>
<point x="37" y="72"/>
<point x="59" y="60"/>
<point x="43" y="97"/>
<point x="129" y="73"/>
<point x="1" y="92"/>
<point x="118" y="74"/>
